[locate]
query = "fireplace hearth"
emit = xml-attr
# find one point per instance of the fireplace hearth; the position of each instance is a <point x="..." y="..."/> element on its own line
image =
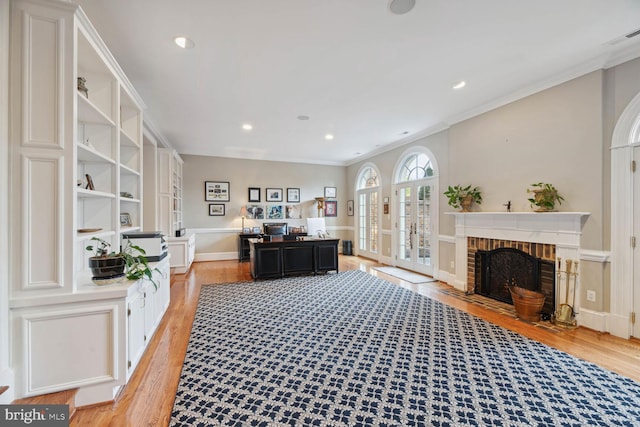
<point x="498" y="269"/>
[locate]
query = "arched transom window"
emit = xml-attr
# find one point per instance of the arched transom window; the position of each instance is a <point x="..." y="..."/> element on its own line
<point x="416" y="166"/>
<point x="368" y="178"/>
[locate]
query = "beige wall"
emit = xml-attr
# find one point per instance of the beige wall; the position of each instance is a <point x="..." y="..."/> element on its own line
<point x="218" y="234"/>
<point x="560" y="135"/>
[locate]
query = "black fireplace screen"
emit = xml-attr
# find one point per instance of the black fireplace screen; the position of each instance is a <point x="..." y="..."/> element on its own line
<point x="498" y="269"/>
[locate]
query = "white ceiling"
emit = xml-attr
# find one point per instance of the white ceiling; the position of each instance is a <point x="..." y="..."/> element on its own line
<point x="357" y="70"/>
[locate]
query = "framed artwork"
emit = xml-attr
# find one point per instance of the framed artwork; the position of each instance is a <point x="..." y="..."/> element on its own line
<point x="331" y="208"/>
<point x="293" y="212"/>
<point x="350" y="207"/>
<point x="216" y="191"/>
<point x="246" y="230"/>
<point x="330" y="192"/>
<point x="255" y="212"/>
<point x="254" y="194"/>
<point x="125" y="219"/>
<point x="216" y="209"/>
<point x="293" y="195"/>
<point x="275" y="212"/>
<point x="90" y="185"/>
<point x="256" y="230"/>
<point x="273" y="194"/>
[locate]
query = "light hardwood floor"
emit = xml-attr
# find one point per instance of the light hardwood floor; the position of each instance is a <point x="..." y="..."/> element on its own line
<point x="148" y="398"/>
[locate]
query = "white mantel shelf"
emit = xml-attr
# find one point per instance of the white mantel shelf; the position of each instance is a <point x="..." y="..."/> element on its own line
<point x="563" y="229"/>
<point x="559" y="228"/>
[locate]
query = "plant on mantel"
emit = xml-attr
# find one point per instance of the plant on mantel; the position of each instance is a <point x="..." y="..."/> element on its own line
<point x="544" y="197"/>
<point x="463" y="197"/>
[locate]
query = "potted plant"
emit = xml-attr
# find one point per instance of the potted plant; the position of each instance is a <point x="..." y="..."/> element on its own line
<point x="110" y="267"/>
<point x="544" y="197"/>
<point x="462" y="197"/>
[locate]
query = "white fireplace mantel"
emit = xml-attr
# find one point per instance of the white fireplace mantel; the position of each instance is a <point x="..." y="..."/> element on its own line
<point x="563" y="229"/>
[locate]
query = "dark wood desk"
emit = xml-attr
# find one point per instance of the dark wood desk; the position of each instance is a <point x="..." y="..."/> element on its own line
<point x="292" y="257"/>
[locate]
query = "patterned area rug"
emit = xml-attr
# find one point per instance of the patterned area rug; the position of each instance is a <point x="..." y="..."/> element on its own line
<point x="350" y="349"/>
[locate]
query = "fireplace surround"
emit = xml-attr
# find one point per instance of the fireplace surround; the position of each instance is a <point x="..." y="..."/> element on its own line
<point x="546" y="236"/>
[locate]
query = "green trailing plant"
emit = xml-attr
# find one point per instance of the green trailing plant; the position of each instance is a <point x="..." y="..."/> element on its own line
<point x="545" y="196"/>
<point x="136" y="264"/>
<point x="457" y="194"/>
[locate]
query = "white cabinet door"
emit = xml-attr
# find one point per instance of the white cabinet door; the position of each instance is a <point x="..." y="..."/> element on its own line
<point x="135" y="330"/>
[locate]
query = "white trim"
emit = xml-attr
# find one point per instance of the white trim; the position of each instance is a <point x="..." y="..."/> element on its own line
<point x="625" y="135"/>
<point x="7" y="376"/>
<point x="445" y="238"/>
<point x="215" y="256"/>
<point x="595" y="320"/>
<point x="356" y="201"/>
<point x="446" y="277"/>
<point x="595" y="256"/>
<point x="234" y="230"/>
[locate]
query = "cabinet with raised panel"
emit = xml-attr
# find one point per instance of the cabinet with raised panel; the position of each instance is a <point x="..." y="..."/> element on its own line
<point x="76" y="168"/>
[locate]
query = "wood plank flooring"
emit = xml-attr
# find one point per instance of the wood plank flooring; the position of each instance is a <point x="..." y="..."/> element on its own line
<point x="148" y="398"/>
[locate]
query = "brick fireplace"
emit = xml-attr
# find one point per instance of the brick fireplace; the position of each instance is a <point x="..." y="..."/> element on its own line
<point x="546" y="236"/>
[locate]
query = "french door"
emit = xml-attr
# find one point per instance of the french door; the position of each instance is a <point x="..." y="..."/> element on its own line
<point x="416" y="225"/>
<point x="368" y="223"/>
<point x="636" y="250"/>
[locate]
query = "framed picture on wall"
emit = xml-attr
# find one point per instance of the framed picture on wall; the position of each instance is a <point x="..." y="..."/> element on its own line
<point x="293" y="195"/>
<point x="216" y="191"/>
<point x="273" y="194"/>
<point x="254" y="194"/>
<point x="275" y="212"/>
<point x="330" y="192"/>
<point x="255" y="212"/>
<point x="350" y="207"/>
<point x="293" y="212"/>
<point x="216" y="209"/>
<point x="331" y="208"/>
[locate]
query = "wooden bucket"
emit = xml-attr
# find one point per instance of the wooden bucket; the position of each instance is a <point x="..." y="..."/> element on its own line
<point x="528" y="303"/>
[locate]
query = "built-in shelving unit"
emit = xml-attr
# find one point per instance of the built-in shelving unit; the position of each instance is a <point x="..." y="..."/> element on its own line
<point x="77" y="160"/>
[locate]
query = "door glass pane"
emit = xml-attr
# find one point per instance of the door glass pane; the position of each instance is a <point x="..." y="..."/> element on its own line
<point x="404" y="223"/>
<point x="373" y="222"/>
<point x="423" y="240"/>
<point x="362" y="221"/>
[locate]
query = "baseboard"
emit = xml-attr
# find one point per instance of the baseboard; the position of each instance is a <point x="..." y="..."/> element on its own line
<point x="618" y="325"/>
<point x="595" y="320"/>
<point x="7" y="378"/>
<point x="446" y="277"/>
<point x="96" y="394"/>
<point x="216" y="256"/>
<point x="385" y="260"/>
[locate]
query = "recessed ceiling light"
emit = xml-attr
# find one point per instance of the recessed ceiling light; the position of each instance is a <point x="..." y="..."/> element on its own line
<point x="303" y="117"/>
<point x="400" y="7"/>
<point x="184" y="42"/>
<point x="328" y="137"/>
<point x="460" y="85"/>
<point x="406" y="132"/>
<point x="247" y="126"/>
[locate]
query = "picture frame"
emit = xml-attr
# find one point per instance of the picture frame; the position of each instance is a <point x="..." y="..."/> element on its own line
<point x="246" y="230"/>
<point x="216" y="209"/>
<point x="330" y="192"/>
<point x="349" y="207"/>
<point x="273" y="194"/>
<point x="216" y="191"/>
<point x="125" y="219"/>
<point x="331" y="208"/>
<point x="293" y="212"/>
<point x="275" y="212"/>
<point x="293" y="195"/>
<point x="255" y="230"/>
<point x="254" y="194"/>
<point x="90" y="185"/>
<point x="255" y="212"/>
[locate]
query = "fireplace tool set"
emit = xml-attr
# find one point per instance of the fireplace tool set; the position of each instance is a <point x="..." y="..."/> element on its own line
<point x="565" y="314"/>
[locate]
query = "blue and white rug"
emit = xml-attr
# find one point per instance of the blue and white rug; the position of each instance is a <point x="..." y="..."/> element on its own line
<point x="350" y="349"/>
